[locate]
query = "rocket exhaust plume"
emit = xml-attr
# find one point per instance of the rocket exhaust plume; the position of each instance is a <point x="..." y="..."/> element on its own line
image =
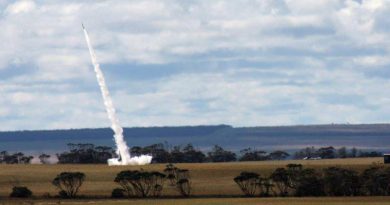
<point x="122" y="149"/>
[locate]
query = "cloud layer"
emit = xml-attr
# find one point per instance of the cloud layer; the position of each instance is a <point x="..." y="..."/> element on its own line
<point x="241" y="62"/>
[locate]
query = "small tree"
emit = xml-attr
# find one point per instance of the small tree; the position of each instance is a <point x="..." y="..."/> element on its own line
<point x="326" y="152"/>
<point x="141" y="183"/>
<point x="170" y="172"/>
<point x="184" y="187"/>
<point x="278" y="155"/>
<point x="248" y="182"/>
<point x="180" y="178"/>
<point x="281" y="179"/>
<point x="266" y="186"/>
<point x="218" y="154"/>
<point x="69" y="183"/>
<point x="183" y="182"/>
<point x="293" y="173"/>
<point x="253" y="155"/>
<point x="192" y="155"/>
<point x="157" y="183"/>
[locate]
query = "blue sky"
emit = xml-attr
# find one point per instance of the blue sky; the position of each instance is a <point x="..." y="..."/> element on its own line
<point x="244" y="63"/>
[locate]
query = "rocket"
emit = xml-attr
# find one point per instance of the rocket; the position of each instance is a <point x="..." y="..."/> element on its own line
<point x="122" y="148"/>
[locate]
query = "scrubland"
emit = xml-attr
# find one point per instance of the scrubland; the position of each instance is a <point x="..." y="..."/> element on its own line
<point x="212" y="183"/>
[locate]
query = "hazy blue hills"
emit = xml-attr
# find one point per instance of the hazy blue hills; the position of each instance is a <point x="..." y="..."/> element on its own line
<point x="365" y="136"/>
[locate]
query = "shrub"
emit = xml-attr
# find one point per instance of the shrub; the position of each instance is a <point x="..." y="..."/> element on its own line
<point x="69" y="183"/>
<point x="376" y="181"/>
<point x="20" y="192"/>
<point x="118" y="193"/>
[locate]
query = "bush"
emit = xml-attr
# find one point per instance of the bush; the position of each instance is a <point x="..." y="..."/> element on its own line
<point x="118" y="193"/>
<point x="309" y="183"/>
<point x="341" y="182"/>
<point x="69" y="183"/>
<point x="375" y="181"/>
<point x="20" y="192"/>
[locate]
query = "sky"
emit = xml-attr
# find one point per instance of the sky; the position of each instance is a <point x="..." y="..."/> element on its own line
<point x="173" y="62"/>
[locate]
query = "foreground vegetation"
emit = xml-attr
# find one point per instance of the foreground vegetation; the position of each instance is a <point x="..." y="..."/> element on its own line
<point x="208" y="180"/>
<point x="220" y="201"/>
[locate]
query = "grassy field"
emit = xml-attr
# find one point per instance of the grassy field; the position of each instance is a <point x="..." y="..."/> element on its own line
<point x="209" y="180"/>
<point x="219" y="201"/>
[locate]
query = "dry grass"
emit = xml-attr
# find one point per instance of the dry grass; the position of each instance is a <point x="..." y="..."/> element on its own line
<point x="219" y="201"/>
<point x="209" y="179"/>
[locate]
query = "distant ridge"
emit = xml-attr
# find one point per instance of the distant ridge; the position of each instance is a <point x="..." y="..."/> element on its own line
<point x="290" y="137"/>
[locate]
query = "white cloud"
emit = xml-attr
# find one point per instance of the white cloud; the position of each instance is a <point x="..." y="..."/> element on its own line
<point x="195" y="62"/>
<point x="22" y="6"/>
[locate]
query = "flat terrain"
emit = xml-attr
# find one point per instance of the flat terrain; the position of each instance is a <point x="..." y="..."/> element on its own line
<point x="220" y="201"/>
<point x="212" y="182"/>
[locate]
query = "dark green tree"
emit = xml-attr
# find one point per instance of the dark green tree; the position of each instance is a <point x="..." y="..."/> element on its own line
<point x="218" y="154"/>
<point x="248" y="182"/>
<point x="69" y="183"/>
<point x="376" y="181"/>
<point x="281" y="179"/>
<point x="253" y="155"/>
<point x="140" y="183"/>
<point x="278" y="155"/>
<point x="309" y="183"/>
<point x="341" y="182"/>
<point x="326" y="152"/>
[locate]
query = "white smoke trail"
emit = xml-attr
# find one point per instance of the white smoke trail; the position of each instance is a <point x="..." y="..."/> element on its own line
<point x="122" y="149"/>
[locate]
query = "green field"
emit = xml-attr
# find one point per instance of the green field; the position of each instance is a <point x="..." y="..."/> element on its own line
<point x="212" y="182"/>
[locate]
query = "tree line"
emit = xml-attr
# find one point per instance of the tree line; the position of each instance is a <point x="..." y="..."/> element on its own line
<point x="295" y="180"/>
<point x="331" y="153"/>
<point x="162" y="153"/>
<point x="14" y="158"/>
<point x="86" y="153"/>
